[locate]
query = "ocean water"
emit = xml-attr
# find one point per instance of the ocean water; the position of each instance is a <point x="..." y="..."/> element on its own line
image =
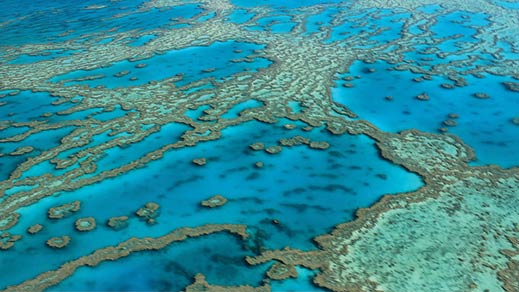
<point x="385" y="26"/>
<point x="66" y="20"/>
<point x="337" y="182"/>
<point x="281" y="4"/>
<point x="43" y="56"/>
<point x="275" y="24"/>
<point x="376" y="60"/>
<point x="484" y="124"/>
<point x="189" y="62"/>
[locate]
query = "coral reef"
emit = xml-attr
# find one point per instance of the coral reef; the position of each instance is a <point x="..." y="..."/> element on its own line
<point x="320" y="145"/>
<point x="118" y="223"/>
<point x="33" y="229"/>
<point x="273" y="149"/>
<point x="149" y="212"/>
<point x="289" y="126"/>
<point x="22" y="150"/>
<point x="456" y="226"/>
<point x="85" y="224"/>
<point x="58" y="242"/>
<point x="481" y="95"/>
<point x="64" y="210"/>
<point x="280" y="271"/>
<point x="214" y="201"/>
<point x="450" y="123"/>
<point x="512" y="86"/>
<point x="257" y="146"/>
<point x="199" y="161"/>
<point x="300" y="140"/>
<point x="7" y="240"/>
<point x="201" y="284"/>
<point x="8" y="220"/>
<point x="458" y="229"/>
<point x="124" y="249"/>
<point x="509" y="275"/>
<point x="423" y="96"/>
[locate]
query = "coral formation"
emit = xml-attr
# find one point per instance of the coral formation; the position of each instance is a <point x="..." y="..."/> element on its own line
<point x="58" y="242"/>
<point x="280" y="271"/>
<point x="199" y="161"/>
<point x="64" y="210"/>
<point x="214" y="201"/>
<point x="457" y="229"/>
<point x="481" y="95"/>
<point x="118" y="223"/>
<point x="8" y="220"/>
<point x="149" y="212"/>
<point x="455" y="203"/>
<point x="423" y="96"/>
<point x="289" y="126"/>
<point x="450" y="123"/>
<point x="22" y="150"/>
<point x="512" y="86"/>
<point x="85" y="224"/>
<point x="123" y="249"/>
<point x="33" y="229"/>
<point x="7" y="240"/>
<point x="447" y="86"/>
<point x="273" y="149"/>
<point x="201" y="284"/>
<point x="257" y="146"/>
<point x="322" y="145"/>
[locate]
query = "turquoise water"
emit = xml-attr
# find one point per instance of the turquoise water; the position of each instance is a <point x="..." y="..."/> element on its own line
<point x="281" y="3"/>
<point x="173" y="270"/>
<point x="484" y="124"/>
<point x="276" y="24"/>
<point x="143" y="40"/>
<point x="27" y="106"/>
<point x="45" y="140"/>
<point x="462" y="27"/>
<point x="48" y="21"/>
<point x="337" y="181"/>
<point x="315" y="22"/>
<point x="240" y="16"/>
<point x="381" y="59"/>
<point x="190" y="62"/>
<point x="507" y="4"/>
<point x="43" y="56"/>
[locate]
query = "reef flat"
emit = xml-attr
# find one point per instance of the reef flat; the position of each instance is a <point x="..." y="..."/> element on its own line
<point x="386" y="131"/>
<point x="456" y="233"/>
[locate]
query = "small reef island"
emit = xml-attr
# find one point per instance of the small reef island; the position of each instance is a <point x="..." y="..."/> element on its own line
<point x="247" y="145"/>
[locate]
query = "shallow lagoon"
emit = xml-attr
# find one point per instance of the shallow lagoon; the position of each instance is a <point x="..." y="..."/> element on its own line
<point x="485" y="124"/>
<point x="337" y="181"/>
<point x="64" y="20"/>
<point x="191" y="63"/>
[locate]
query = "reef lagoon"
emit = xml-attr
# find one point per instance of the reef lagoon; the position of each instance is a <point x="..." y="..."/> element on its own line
<point x="232" y="145"/>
